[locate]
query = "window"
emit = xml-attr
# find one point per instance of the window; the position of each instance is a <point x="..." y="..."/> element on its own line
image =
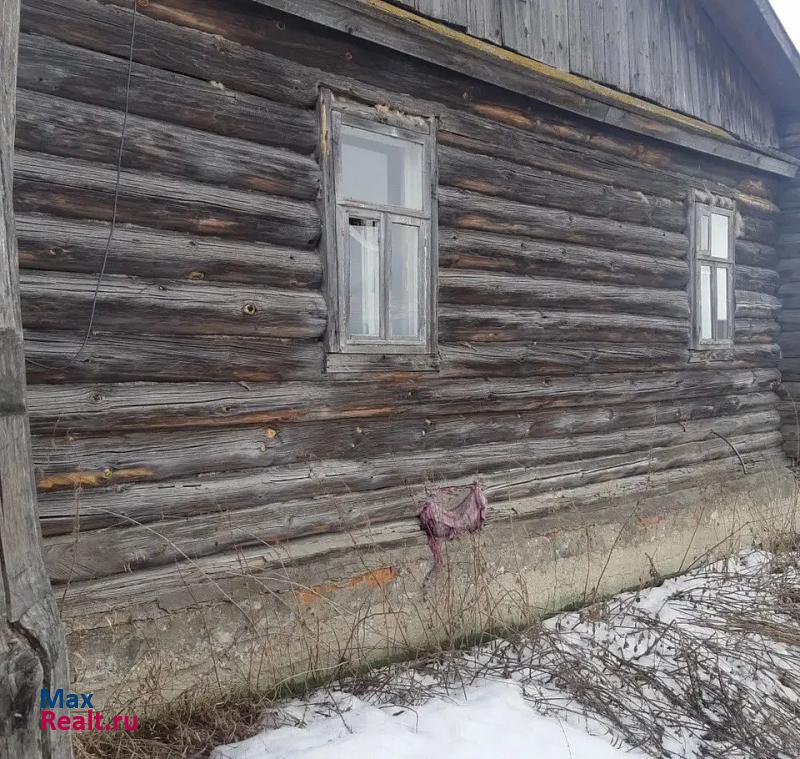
<point x="379" y="186"/>
<point x="713" y="275"/>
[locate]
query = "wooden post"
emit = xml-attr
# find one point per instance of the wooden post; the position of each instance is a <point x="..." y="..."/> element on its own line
<point x="32" y="647"/>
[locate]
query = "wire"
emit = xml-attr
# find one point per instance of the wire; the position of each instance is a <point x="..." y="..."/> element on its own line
<point x="117" y="186"/>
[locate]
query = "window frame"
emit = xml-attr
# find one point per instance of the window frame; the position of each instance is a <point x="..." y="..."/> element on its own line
<point x="706" y="207"/>
<point x="338" y="111"/>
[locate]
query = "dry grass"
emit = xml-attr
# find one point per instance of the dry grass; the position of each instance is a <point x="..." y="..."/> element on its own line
<point x="569" y="666"/>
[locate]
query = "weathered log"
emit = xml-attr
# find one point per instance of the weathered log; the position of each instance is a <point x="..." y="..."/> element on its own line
<point x="77" y="189"/>
<point x="103" y="552"/>
<point x="53" y="301"/>
<point x="757" y="279"/>
<point x="67" y="461"/>
<point x="56" y="244"/>
<point x="208" y="57"/>
<point x="55" y="357"/>
<point x="458" y="287"/>
<point x="470" y="210"/>
<point x="55" y="68"/>
<point x="482" y="324"/>
<point x="757" y="330"/>
<point x="467" y="249"/>
<point x="493" y="176"/>
<point x="228" y="575"/>
<point x="754" y="254"/>
<point x="54" y="126"/>
<point x="648" y="172"/>
<point x="33" y="653"/>
<point x="521" y="359"/>
<point x="96" y="409"/>
<point x="752" y="305"/>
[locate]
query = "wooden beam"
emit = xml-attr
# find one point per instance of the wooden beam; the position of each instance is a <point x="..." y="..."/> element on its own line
<point x="396" y="28"/>
<point x="32" y="647"/>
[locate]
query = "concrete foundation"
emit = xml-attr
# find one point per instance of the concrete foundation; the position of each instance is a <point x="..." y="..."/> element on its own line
<point x="368" y="603"/>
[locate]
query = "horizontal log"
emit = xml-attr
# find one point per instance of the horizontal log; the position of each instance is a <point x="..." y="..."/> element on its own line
<point x="759" y="229"/>
<point x="478" y="324"/>
<point x="117" y="551"/>
<point x="69" y="460"/>
<point x="264" y="569"/>
<point x="752" y="305"/>
<point x="757" y="279"/>
<point x="470" y="210"/>
<point x="58" y="127"/>
<point x="56" y="244"/>
<point x="55" y="68"/>
<point x="77" y="189"/>
<point x="658" y="178"/>
<point x="132" y="305"/>
<point x="757" y="330"/>
<point x="521" y="359"/>
<point x="458" y="287"/>
<point x="490" y="175"/>
<point x="96" y="409"/>
<point x="467" y="249"/>
<point x="179" y="497"/>
<point x="104" y="552"/>
<point x="209" y="57"/>
<point x="754" y="254"/>
<point x="520" y="133"/>
<point x="56" y="357"/>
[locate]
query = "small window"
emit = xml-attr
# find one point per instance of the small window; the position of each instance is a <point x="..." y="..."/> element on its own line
<point x="713" y="276"/>
<point x="379" y="184"/>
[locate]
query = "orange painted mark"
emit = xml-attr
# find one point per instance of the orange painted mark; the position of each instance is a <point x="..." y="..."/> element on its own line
<point x="92" y="478"/>
<point x="374" y="579"/>
<point x="211" y="224"/>
<point x="477" y="185"/>
<point x="503" y="114"/>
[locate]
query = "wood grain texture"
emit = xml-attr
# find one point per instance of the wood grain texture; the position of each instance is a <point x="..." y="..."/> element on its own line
<point x="82" y="190"/>
<point x="51" y="243"/>
<point x="33" y="652"/>
<point x="563" y="364"/>
<point x="665" y="51"/>
<point x="228" y="573"/>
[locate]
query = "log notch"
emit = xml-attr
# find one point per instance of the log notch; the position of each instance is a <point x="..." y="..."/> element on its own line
<point x="789" y="268"/>
<point x="32" y="647"/>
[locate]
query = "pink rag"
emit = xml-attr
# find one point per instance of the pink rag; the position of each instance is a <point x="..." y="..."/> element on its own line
<point x="440" y="524"/>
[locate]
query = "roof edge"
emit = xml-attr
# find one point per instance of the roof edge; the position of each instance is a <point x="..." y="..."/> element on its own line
<point x="757" y="36"/>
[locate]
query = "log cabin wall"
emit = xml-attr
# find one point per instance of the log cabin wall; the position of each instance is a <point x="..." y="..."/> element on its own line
<point x="789" y="268"/>
<point x="667" y="51"/>
<point x="196" y="421"/>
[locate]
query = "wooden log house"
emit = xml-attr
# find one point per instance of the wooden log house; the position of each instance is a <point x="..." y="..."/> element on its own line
<point x="291" y="267"/>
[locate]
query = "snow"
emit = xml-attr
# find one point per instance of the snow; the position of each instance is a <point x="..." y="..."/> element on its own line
<point x="492" y="720"/>
<point x="703" y="666"/>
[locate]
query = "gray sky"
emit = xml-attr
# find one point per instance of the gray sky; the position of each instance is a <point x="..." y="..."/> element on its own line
<point x="789" y="13"/>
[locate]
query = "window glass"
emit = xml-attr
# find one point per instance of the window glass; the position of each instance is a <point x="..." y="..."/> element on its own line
<point x="720" y="235"/>
<point x="365" y="275"/>
<point x="705" y="303"/>
<point x="703" y="222"/>
<point x="404" y="289"/>
<point x="380" y="169"/>
<point x="722" y="303"/>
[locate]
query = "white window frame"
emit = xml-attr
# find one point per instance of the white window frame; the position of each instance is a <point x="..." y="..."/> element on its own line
<point x="698" y="258"/>
<point x="335" y="112"/>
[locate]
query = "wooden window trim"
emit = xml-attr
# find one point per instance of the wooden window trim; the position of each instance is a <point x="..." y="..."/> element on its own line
<point x="700" y="206"/>
<point x="335" y="111"/>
